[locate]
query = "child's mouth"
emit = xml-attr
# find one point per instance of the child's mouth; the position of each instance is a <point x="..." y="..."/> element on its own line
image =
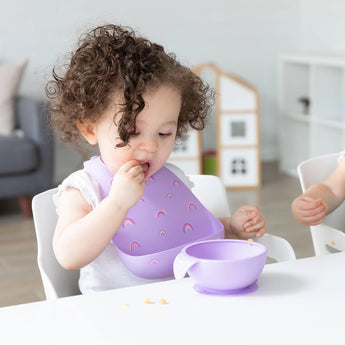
<point x="145" y="166"/>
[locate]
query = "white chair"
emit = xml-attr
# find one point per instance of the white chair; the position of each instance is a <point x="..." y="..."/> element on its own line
<point x="57" y="281"/>
<point x="211" y="191"/>
<point x="328" y="237"/>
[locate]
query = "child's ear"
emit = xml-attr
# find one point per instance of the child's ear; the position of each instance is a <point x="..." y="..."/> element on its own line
<point x="88" y="131"/>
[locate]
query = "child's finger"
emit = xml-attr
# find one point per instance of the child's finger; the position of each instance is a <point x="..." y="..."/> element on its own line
<point x="129" y="165"/>
<point x="319" y="203"/>
<point x="316" y="219"/>
<point x="313" y="207"/>
<point x="251" y="215"/>
<point x="313" y="211"/>
<point x="252" y="218"/>
<point x="308" y="198"/>
<point x="251" y="223"/>
<point x="136" y="170"/>
<point x="260" y="232"/>
<point x="251" y="227"/>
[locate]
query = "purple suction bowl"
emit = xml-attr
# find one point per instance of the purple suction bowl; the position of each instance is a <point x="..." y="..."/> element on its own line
<point x="221" y="265"/>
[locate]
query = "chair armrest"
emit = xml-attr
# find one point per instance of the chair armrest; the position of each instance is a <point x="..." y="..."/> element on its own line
<point x="327" y="239"/>
<point x="278" y="248"/>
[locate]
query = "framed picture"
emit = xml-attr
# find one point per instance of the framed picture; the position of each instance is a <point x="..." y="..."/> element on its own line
<point x="239" y="167"/>
<point x="238" y="129"/>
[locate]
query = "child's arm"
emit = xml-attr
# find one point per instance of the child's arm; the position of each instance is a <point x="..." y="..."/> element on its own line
<point x="81" y="233"/>
<point x="245" y="223"/>
<point x="311" y="207"/>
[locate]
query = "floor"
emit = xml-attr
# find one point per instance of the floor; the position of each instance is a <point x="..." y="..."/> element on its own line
<point x="19" y="276"/>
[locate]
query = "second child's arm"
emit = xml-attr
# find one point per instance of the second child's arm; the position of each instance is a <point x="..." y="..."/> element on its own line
<point x="311" y="207"/>
<point x="332" y="191"/>
<point x="82" y="233"/>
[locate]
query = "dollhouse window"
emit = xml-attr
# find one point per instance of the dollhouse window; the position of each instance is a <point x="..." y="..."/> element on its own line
<point x="238" y="166"/>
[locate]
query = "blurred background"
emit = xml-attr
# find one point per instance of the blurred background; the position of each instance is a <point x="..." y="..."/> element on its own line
<point x="241" y="37"/>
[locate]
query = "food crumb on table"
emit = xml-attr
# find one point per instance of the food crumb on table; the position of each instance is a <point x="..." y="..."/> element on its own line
<point x="148" y="300"/>
<point x="250" y="241"/>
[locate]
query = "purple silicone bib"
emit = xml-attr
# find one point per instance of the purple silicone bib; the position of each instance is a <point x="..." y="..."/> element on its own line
<point x="164" y="220"/>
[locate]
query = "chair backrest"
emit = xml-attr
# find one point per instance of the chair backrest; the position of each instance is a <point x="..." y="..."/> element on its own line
<point x="57" y="281"/>
<point x="328" y="237"/>
<point x="210" y="190"/>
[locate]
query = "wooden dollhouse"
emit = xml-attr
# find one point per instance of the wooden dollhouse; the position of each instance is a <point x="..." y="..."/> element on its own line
<point x="237" y="133"/>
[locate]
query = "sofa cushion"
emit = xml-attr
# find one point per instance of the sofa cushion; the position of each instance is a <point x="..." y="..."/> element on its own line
<point x="10" y="77"/>
<point x="17" y="155"/>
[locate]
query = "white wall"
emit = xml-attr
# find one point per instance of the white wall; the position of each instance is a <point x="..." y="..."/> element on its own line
<point x="322" y="26"/>
<point x="243" y="37"/>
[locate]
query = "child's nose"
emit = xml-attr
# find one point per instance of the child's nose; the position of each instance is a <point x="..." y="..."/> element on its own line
<point x="149" y="145"/>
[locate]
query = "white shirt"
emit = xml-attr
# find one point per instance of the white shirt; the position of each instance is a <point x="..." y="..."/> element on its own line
<point x="107" y="271"/>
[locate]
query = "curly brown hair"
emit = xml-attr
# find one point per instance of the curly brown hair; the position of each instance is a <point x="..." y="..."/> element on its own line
<point x="113" y="59"/>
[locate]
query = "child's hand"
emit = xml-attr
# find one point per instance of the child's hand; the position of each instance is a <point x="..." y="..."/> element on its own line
<point x="128" y="184"/>
<point x="309" y="211"/>
<point x="247" y="222"/>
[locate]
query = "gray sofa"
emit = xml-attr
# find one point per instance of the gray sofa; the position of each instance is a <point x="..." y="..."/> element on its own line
<point x="27" y="161"/>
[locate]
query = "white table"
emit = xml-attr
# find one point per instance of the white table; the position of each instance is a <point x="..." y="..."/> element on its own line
<point x="300" y="302"/>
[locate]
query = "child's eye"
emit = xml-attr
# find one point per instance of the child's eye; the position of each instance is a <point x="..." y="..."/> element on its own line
<point x="164" y="134"/>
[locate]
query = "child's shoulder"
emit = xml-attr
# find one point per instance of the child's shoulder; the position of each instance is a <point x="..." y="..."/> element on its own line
<point x="82" y="181"/>
<point x="77" y="178"/>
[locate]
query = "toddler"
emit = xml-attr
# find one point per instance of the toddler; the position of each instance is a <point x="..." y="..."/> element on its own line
<point x="318" y="200"/>
<point x="129" y="97"/>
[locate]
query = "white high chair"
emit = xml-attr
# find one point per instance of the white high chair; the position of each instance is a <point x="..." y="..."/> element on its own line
<point x="211" y="191"/>
<point x="58" y="282"/>
<point x="327" y="237"/>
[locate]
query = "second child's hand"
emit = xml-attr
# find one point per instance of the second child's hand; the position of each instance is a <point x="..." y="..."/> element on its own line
<point x="309" y="211"/>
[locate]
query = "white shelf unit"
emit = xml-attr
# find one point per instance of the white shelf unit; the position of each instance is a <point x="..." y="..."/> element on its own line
<point x="308" y="130"/>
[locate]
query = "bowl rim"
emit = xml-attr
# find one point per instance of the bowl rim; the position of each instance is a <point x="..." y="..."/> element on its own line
<point x="259" y="245"/>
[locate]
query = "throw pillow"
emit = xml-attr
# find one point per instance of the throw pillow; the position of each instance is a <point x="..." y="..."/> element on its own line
<point x="10" y="77"/>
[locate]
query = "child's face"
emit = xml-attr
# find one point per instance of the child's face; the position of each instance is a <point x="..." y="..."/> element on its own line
<point x="156" y="131"/>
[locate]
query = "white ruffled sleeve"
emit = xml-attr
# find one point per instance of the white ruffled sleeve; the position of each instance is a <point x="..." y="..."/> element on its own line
<point x="80" y="180"/>
<point x="341" y="156"/>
